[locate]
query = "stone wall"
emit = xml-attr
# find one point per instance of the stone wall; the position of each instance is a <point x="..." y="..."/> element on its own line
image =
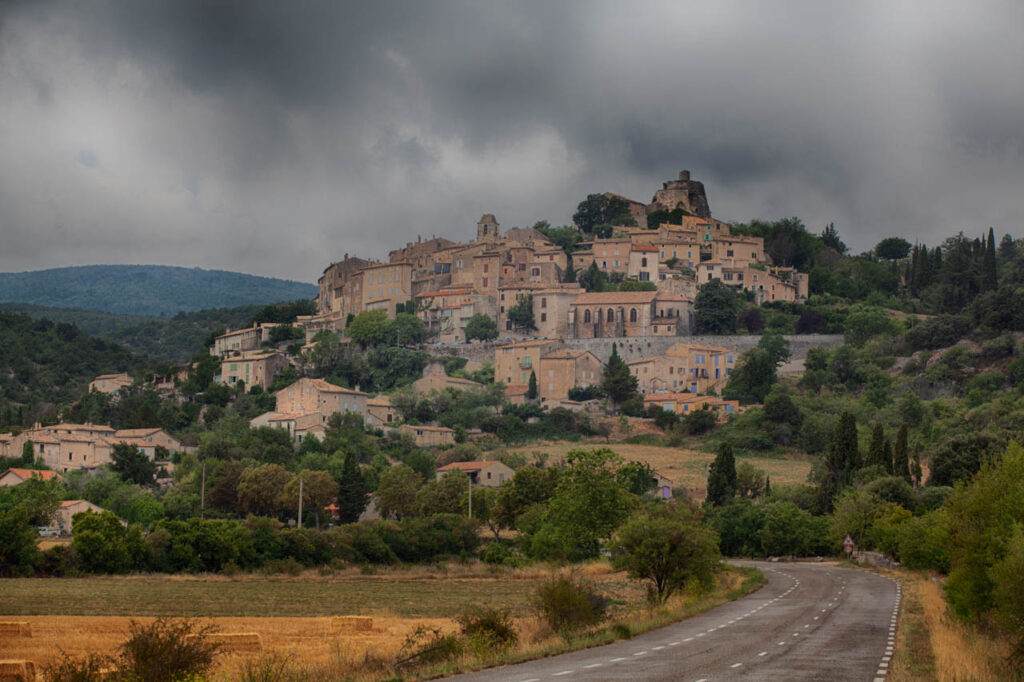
<point x="632" y="348"/>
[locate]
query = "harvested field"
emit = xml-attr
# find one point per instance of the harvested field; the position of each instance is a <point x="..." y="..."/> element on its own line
<point x="685" y="467"/>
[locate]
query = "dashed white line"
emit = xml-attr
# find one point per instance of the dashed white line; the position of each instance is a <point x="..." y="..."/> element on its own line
<point x="616" y="660"/>
<point x="688" y="639"/>
<point x="735" y="665"/>
<point x="657" y="648"/>
<point x="763" y="653"/>
<point x="593" y="665"/>
<point x="564" y="672"/>
<point x="640" y="653"/>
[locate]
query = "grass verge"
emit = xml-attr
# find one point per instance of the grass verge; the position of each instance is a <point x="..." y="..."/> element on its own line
<point x="732" y="583"/>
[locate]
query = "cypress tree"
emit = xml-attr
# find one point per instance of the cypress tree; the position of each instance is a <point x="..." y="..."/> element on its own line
<point x="989" y="281"/>
<point x="848" y="450"/>
<point x="618" y="383"/>
<point x="915" y="467"/>
<point x="767" y="486"/>
<point x="876" y="451"/>
<point x="887" y="455"/>
<point x="841" y="460"/>
<point x="722" y="476"/>
<point x="900" y="458"/>
<point x="352" y="490"/>
<point x="531" y="389"/>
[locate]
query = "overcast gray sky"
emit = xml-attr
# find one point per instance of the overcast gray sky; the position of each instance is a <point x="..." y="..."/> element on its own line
<point x="274" y="137"/>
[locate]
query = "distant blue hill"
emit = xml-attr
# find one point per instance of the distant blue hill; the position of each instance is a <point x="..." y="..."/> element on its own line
<point x="146" y="289"/>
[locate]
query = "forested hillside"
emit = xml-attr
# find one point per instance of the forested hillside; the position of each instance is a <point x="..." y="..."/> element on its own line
<point x="146" y="289"/>
<point x="42" y="362"/>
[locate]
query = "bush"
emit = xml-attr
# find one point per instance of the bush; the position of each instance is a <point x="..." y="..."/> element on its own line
<point x="489" y="631"/>
<point x="92" y="668"/>
<point x="167" y="650"/>
<point x="498" y="553"/>
<point x="568" y="605"/>
<point x="428" y="646"/>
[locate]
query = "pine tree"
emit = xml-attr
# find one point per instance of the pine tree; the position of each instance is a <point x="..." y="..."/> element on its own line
<point x="900" y="458"/>
<point x="887" y="456"/>
<point x="722" y="476"/>
<point x="618" y="383"/>
<point x="845" y="440"/>
<point x="876" y="451"/>
<point x="531" y="390"/>
<point x="767" y="486"/>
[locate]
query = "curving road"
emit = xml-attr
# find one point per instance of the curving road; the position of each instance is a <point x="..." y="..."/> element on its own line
<point x="809" y="622"/>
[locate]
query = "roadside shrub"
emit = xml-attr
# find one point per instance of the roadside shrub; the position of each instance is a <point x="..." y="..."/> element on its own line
<point x="428" y="646"/>
<point x="498" y="553"/>
<point x="92" y="668"/>
<point x="488" y="632"/>
<point x="167" y="650"/>
<point x="568" y="605"/>
<point x="287" y="566"/>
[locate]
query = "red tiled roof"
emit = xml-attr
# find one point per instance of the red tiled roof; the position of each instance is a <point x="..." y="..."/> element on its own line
<point x="43" y="474"/>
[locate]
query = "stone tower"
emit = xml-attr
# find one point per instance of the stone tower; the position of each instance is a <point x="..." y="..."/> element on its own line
<point x="488" y="229"/>
<point x="683" y="193"/>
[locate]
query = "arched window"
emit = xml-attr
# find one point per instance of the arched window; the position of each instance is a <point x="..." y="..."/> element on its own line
<point x="632" y="314"/>
<point x="611" y="315"/>
<point x="586" y="316"/>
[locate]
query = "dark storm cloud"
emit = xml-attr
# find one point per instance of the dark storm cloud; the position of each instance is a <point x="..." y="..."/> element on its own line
<point x="274" y="137"/>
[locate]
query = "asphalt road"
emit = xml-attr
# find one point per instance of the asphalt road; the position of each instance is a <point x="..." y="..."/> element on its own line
<point x="809" y="622"/>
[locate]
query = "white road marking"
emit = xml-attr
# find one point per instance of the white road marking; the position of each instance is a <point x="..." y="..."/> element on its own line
<point x="702" y="634"/>
<point x="688" y="639"/>
<point x="616" y="660"/>
<point x="640" y="653"/>
<point x="782" y="644"/>
<point x="673" y="643"/>
<point x="564" y="672"/>
<point x="735" y="665"/>
<point x="763" y="653"/>
<point x="594" y="665"/>
<point x="657" y="648"/>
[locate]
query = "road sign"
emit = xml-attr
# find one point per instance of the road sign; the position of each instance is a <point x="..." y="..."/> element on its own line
<point x="848" y="545"/>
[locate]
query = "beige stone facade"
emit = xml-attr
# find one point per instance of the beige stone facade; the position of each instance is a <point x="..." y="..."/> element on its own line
<point x="428" y="436"/>
<point x="564" y="369"/>
<point x="685" y="403"/>
<point x="684" y="367"/>
<point x="514" y="362"/>
<point x="380" y="412"/>
<point x="253" y="368"/>
<point x="488" y="474"/>
<point x="110" y="383"/>
<point x="316" y="395"/>
<point x="551" y="305"/>
<point x="628" y="313"/>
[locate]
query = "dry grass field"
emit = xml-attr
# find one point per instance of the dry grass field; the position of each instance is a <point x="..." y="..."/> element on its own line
<point x="292" y="616"/>
<point x="685" y="467"/>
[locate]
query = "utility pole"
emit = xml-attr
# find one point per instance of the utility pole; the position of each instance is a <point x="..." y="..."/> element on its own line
<point x="300" y="502"/>
<point x="470" y="479"/>
<point x="202" y="495"/>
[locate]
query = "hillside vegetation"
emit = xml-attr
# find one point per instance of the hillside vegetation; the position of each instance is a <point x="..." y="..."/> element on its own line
<point x="146" y="289"/>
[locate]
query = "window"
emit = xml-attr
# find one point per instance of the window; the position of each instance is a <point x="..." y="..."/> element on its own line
<point x="536" y="272"/>
<point x="544" y="303"/>
<point x="586" y="316"/>
<point x="611" y="315"/>
<point x="632" y="314"/>
<point x="551" y="374"/>
<point x="486" y="267"/>
<point x="484" y="283"/>
<point x="543" y="317"/>
<point x="643" y="262"/>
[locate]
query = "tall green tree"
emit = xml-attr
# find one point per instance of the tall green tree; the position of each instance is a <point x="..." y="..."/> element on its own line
<point x="722" y="476"/>
<point x="876" y="450"/>
<point x="18" y="552"/>
<point x="715" y="308"/>
<point x="617" y="382"/>
<point x="531" y="388"/>
<point x="396" y="492"/>
<point x="132" y="465"/>
<point x="990" y="279"/>
<point x="667" y="546"/>
<point x="892" y="248"/>
<point x="841" y="460"/>
<point x="901" y="455"/>
<point x="481" y="327"/>
<point x="521" y="314"/>
<point x="753" y="377"/>
<point x="369" y="328"/>
<point x="28" y="454"/>
<point x="599" y="209"/>
<point x="352" y="490"/>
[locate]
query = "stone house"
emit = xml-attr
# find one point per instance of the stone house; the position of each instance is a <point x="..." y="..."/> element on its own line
<point x="384" y="286"/>
<point x="316" y="395"/>
<point x="380" y="412"/>
<point x="63" y="519"/>
<point x="685" y="403"/>
<point x="428" y="436"/>
<point x="110" y="383"/>
<point x="151" y="437"/>
<point x="253" y="368"/>
<point x="609" y="314"/>
<point x="551" y="304"/>
<point x="514" y="362"/>
<point x="563" y="369"/>
<point x="15" y="476"/>
<point x="684" y="367"/>
<point x="487" y="474"/>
